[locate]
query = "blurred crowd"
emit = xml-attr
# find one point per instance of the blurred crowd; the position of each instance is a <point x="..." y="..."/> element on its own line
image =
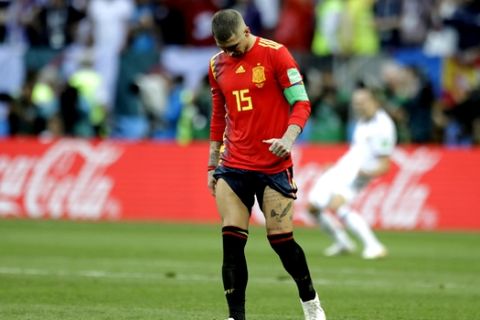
<point x="136" y="69"/>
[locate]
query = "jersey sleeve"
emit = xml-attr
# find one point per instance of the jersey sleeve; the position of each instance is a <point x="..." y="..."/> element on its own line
<point x="218" y="121"/>
<point x="290" y="79"/>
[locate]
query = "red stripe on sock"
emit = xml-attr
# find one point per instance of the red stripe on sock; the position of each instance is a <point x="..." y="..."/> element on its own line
<point x="235" y="234"/>
<point x="279" y="238"/>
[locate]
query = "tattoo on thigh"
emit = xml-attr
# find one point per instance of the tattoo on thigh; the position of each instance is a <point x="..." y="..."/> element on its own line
<point x="279" y="216"/>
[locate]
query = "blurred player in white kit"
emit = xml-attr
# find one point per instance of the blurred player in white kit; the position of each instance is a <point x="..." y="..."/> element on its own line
<point x="368" y="157"/>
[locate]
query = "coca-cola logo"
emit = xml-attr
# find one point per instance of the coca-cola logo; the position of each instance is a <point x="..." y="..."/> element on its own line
<point x="403" y="202"/>
<point x="67" y="180"/>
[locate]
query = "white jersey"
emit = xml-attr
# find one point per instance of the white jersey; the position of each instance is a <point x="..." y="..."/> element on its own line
<point x="373" y="138"/>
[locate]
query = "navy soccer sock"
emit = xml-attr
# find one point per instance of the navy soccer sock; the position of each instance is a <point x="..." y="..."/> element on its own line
<point x="294" y="261"/>
<point x="234" y="270"/>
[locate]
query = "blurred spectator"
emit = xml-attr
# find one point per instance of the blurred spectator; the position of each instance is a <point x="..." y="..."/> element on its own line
<point x="394" y="77"/>
<point x="75" y="113"/>
<point x="12" y="64"/>
<point x="415" y="22"/>
<point x="3" y="20"/>
<point x="270" y="11"/>
<point x="464" y="128"/>
<point x="87" y="83"/>
<point x="410" y="100"/>
<point x="358" y="32"/>
<point x="6" y="104"/>
<point x="79" y="51"/>
<point x="388" y="14"/>
<point x="295" y="25"/>
<point x="24" y="118"/>
<point x="465" y="19"/>
<point x="195" y="119"/>
<point x="251" y="14"/>
<point x="328" y="17"/>
<point x="171" y="22"/>
<point x="143" y="34"/>
<point x="329" y="111"/>
<point x="459" y="104"/>
<point x="110" y="21"/>
<point x="45" y="98"/>
<point x="419" y="105"/>
<point x="198" y="15"/>
<point x="53" y="25"/>
<point x="153" y="90"/>
<point x="131" y="124"/>
<point x="442" y="39"/>
<point x="177" y="98"/>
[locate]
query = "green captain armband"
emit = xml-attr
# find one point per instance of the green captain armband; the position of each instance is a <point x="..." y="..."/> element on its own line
<point x="295" y="93"/>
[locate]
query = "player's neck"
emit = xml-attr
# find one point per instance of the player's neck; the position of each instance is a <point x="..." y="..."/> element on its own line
<point x="251" y="42"/>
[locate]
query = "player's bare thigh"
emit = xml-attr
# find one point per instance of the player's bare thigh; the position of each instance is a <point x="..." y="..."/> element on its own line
<point x="278" y="212"/>
<point x="231" y="208"/>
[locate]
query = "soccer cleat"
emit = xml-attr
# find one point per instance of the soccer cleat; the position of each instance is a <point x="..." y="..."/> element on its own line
<point x="313" y="310"/>
<point x="338" y="248"/>
<point x="230" y="319"/>
<point x="374" y="252"/>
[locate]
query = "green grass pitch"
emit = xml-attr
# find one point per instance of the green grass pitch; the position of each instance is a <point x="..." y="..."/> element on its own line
<point x="81" y="270"/>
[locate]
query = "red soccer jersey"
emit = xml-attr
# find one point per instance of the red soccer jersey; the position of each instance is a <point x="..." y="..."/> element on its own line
<point x="249" y="105"/>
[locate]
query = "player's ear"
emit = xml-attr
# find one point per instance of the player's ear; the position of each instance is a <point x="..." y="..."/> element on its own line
<point x="246" y="32"/>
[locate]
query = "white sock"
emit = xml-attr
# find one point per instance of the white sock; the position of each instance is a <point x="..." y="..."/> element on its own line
<point x="334" y="229"/>
<point x="358" y="226"/>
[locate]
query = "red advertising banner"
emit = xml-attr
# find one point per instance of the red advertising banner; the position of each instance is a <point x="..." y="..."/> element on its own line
<point x="427" y="188"/>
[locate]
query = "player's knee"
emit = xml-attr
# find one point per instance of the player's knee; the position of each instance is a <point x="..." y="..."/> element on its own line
<point x="288" y="250"/>
<point x="235" y="233"/>
<point x="234" y="241"/>
<point x="277" y="241"/>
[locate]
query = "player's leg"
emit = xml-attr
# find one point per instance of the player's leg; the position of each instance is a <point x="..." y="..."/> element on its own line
<point x="235" y="217"/>
<point x="278" y="211"/>
<point x="320" y="198"/>
<point x="373" y="249"/>
<point x="342" y="244"/>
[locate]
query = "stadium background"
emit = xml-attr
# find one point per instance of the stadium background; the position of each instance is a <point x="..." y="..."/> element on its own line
<point x="104" y="209"/>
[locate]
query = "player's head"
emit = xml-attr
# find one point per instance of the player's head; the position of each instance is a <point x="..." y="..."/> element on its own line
<point x="364" y="102"/>
<point x="230" y="32"/>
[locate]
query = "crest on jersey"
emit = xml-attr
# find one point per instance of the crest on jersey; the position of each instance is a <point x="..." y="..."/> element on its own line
<point x="258" y="76"/>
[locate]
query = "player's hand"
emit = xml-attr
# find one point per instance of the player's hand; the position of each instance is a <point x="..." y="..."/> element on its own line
<point x="211" y="182"/>
<point x="279" y="147"/>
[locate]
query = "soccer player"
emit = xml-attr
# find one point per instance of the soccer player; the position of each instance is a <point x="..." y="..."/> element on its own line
<point x="255" y="83"/>
<point x="368" y="157"/>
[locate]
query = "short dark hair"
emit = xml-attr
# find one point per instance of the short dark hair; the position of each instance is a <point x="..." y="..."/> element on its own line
<point x="225" y="23"/>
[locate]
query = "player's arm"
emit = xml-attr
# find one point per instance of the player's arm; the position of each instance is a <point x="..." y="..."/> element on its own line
<point x="294" y="90"/>
<point x="213" y="159"/>
<point x="295" y="93"/>
<point x="217" y="121"/>
<point x="297" y="97"/>
<point x="381" y="169"/>
<point x="283" y="146"/>
<point x="217" y="128"/>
